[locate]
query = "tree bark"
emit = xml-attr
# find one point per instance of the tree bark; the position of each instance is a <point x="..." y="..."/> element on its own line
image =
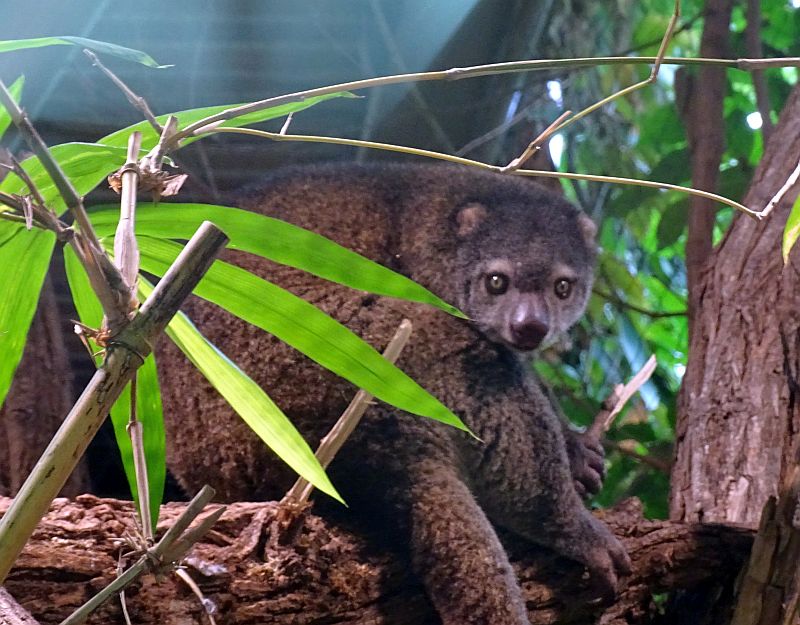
<point x="316" y="572"/>
<point x="39" y="398"/>
<point x="738" y="416"/>
<point x="705" y="129"/>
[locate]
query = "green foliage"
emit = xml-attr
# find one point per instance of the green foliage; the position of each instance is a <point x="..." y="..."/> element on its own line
<point x="247" y="398"/>
<point x="16" y="91"/>
<point x="24" y="258"/>
<point x="290" y="318"/>
<point x="791" y="231"/>
<point x="85" y="164"/>
<point x="275" y="240"/>
<point x="189" y="117"/>
<point x="643" y="234"/>
<point x="127" y="54"/>
<point x="641" y="283"/>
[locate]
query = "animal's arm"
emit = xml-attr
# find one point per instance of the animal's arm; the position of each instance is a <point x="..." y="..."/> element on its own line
<point x="526" y="486"/>
<point x="584" y="449"/>
<point x="457" y="553"/>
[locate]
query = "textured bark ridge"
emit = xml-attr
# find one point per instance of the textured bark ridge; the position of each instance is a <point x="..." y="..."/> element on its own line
<point x="39" y="398"/>
<point x="320" y="573"/>
<point x="738" y="413"/>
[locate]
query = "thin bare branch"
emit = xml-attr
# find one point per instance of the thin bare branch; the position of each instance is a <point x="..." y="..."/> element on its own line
<point x="137" y="101"/>
<point x="616" y="401"/>
<point x="274" y="136"/>
<point x="622" y="448"/>
<point x="790" y="182"/>
<point x="19" y="170"/>
<point x="343" y="428"/>
<point x="459" y="73"/>
<point x="536" y="144"/>
<point x="659" y="59"/>
<point x="163" y="555"/>
<point x="655" y="314"/>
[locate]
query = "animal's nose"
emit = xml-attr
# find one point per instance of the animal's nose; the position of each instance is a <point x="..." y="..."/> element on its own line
<point x="528" y="333"/>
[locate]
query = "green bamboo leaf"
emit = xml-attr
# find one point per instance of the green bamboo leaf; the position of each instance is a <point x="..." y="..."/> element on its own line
<point x="148" y="397"/>
<point x="85" y="164"/>
<point x="24" y="258"/>
<point x="791" y="231"/>
<point x="275" y="240"/>
<point x="247" y="399"/>
<point x="304" y="327"/>
<point x="5" y="117"/>
<point x="128" y="54"/>
<point x="190" y="116"/>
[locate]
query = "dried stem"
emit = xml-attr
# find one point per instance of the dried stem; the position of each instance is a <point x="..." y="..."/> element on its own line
<point x="126" y="251"/>
<point x="135" y="431"/>
<point x="790" y="182"/>
<point x="12" y="613"/>
<point x="274" y="136"/>
<point x="341" y="431"/>
<point x="19" y="170"/>
<point x="137" y="101"/>
<point x="124" y="356"/>
<point x="171" y="548"/>
<point x="616" y="401"/>
<point x="655" y="314"/>
<point x="536" y="144"/>
<point x="459" y="73"/>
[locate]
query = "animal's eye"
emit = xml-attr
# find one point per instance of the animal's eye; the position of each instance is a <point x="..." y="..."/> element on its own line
<point x="496" y="283"/>
<point x="562" y="288"/>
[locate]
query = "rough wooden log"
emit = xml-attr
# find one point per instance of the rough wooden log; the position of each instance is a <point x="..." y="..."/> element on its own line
<point x="327" y="574"/>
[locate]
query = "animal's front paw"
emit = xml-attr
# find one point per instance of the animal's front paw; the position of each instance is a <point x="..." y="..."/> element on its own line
<point x="606" y="559"/>
<point x="587" y="462"/>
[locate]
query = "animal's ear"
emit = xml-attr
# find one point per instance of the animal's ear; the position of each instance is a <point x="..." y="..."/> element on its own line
<point x="469" y="217"/>
<point x="588" y="229"/>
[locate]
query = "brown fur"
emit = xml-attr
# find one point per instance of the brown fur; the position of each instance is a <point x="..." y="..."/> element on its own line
<point x="434" y="486"/>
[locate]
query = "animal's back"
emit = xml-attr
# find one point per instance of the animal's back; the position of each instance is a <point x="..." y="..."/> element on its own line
<point x="356" y="207"/>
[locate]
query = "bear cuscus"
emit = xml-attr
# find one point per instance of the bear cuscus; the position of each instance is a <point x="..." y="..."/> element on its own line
<point x="518" y="261"/>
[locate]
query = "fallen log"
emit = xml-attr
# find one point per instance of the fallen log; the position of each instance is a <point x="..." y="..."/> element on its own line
<point x="251" y="573"/>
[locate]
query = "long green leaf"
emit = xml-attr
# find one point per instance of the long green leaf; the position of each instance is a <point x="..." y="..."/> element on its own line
<point x="85" y="164"/>
<point x="190" y="116"/>
<point x="791" y="231"/>
<point x="128" y="54"/>
<point x="24" y="258"/>
<point x="247" y="399"/>
<point x="305" y="328"/>
<point x="275" y="240"/>
<point x="5" y="117"/>
<point x="148" y="397"/>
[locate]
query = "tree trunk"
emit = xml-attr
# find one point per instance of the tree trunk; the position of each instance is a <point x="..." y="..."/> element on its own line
<point x="39" y="398"/>
<point x="254" y="573"/>
<point x="737" y="416"/>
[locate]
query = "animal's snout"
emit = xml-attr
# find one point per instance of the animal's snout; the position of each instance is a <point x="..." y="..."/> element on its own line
<point x="528" y="332"/>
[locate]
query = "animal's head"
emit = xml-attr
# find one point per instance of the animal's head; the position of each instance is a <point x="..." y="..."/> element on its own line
<point x="528" y="259"/>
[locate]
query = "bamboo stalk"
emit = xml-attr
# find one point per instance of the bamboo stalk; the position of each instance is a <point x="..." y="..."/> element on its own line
<point x="125" y="355"/>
